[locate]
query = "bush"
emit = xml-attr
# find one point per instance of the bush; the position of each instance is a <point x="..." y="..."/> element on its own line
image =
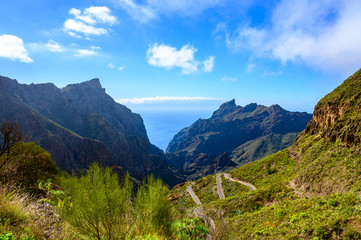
<point x="30" y="165"/>
<point x="152" y="209"/>
<point x="321" y="232"/>
<point x="7" y="236"/>
<point x="187" y="229"/>
<point x="99" y="206"/>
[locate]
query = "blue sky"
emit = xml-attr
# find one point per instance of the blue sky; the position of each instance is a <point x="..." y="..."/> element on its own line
<point x="180" y="54"/>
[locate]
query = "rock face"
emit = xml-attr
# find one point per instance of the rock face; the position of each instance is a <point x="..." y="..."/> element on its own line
<point x="233" y="136"/>
<point x="80" y="124"/>
<point x="337" y="115"/>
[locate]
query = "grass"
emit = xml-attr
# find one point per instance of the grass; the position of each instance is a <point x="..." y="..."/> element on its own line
<point x="13" y="207"/>
<point x="24" y="217"/>
<point x="231" y="188"/>
<point x="336" y="216"/>
<point x="277" y="168"/>
<point x="206" y="189"/>
<point x="182" y="201"/>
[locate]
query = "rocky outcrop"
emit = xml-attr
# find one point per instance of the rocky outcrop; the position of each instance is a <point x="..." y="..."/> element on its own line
<point x="337" y="115"/>
<point x="234" y="135"/>
<point x="80" y="124"/>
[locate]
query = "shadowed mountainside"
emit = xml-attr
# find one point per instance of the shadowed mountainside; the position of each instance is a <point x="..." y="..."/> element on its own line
<point x="79" y="124"/>
<point x="234" y="135"/>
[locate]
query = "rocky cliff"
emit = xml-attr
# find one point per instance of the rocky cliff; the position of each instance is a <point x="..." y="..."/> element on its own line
<point x="337" y="115"/>
<point x="80" y="124"/>
<point x="235" y="134"/>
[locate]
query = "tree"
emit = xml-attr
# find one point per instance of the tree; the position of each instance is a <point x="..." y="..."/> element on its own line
<point x="10" y="135"/>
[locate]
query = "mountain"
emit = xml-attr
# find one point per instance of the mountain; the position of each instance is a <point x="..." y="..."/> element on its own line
<point x="79" y="124"/>
<point x="310" y="190"/>
<point x="235" y="134"/>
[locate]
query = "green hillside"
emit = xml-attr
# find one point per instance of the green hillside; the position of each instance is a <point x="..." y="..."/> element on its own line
<point x="309" y="191"/>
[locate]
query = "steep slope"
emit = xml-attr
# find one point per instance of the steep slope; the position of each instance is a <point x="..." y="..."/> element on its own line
<point x="86" y="113"/>
<point x="310" y="190"/>
<point x="235" y="134"/>
<point x="328" y="151"/>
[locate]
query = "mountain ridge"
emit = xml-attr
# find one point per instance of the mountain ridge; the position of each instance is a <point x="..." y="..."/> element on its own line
<point x="229" y="130"/>
<point x="83" y="114"/>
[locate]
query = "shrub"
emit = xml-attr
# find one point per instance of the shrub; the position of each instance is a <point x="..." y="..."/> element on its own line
<point x="321" y="232"/>
<point x="12" y="207"/>
<point x="7" y="236"/>
<point x="187" y="229"/>
<point x="152" y="209"/>
<point x="350" y="234"/>
<point x="99" y="206"/>
<point x="30" y="165"/>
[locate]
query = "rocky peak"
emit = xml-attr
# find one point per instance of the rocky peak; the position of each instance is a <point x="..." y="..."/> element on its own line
<point x="225" y="108"/>
<point x="250" y="107"/>
<point x="91" y="85"/>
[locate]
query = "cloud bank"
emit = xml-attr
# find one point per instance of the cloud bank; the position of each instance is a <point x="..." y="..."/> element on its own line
<point x="323" y="34"/>
<point x="151" y="9"/>
<point x="163" y="99"/>
<point x="13" y="47"/>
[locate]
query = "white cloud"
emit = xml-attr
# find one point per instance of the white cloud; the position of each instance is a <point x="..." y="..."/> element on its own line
<point x="228" y="79"/>
<point x="72" y="26"/>
<point x="169" y="57"/>
<point x="13" y="47"/>
<point x="110" y="65"/>
<point x="86" y="22"/>
<point x="93" y="15"/>
<point x="151" y="9"/>
<point x="183" y="7"/>
<point x="121" y="68"/>
<point x="142" y="14"/>
<point x="86" y="52"/>
<point x="208" y="64"/>
<point x="54" y="46"/>
<point x="323" y="34"/>
<point x="163" y="99"/>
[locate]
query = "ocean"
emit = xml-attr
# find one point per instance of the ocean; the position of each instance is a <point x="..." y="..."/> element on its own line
<point x="162" y="125"/>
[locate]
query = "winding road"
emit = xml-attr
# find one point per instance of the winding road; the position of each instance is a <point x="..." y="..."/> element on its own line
<point x="193" y="195"/>
<point x="219" y="186"/>
<point x="199" y="210"/>
<point x="251" y="186"/>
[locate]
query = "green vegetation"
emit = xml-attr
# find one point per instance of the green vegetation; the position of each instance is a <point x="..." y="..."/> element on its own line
<point x="348" y="90"/>
<point x="182" y="201"/>
<point x="206" y="189"/>
<point x="231" y="188"/>
<point x="100" y="208"/>
<point x="273" y="170"/>
<point x="36" y="202"/>
<point x="190" y="229"/>
<point x="336" y="216"/>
